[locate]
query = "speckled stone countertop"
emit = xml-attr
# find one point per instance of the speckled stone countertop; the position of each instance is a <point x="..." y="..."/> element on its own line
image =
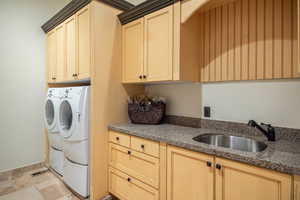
<point x="282" y="155"/>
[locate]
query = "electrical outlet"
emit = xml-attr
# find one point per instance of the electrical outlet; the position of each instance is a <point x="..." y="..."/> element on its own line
<point x="207" y="111"/>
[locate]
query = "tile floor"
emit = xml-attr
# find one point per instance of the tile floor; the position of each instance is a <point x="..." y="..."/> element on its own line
<point x="45" y="186"/>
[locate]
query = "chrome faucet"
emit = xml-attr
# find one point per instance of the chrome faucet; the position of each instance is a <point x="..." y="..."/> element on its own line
<point x="269" y="133"/>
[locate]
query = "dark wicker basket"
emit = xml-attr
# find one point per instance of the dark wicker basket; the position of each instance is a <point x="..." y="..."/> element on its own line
<point x="146" y="114"/>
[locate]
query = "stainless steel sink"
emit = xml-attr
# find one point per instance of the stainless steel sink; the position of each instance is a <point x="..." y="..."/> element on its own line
<point x="232" y="142"/>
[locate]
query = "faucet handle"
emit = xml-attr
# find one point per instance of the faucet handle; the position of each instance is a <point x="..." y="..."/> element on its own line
<point x="268" y="125"/>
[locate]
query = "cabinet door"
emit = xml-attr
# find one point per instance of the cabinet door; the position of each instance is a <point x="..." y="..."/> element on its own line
<point x="190" y="175"/>
<point x="51" y="56"/>
<point x="138" y="165"/>
<point x="60" y="53"/>
<point x="70" y="27"/>
<point x="159" y="45"/>
<point x="297" y="188"/>
<point x="84" y="43"/>
<point x="132" y="51"/>
<point x="128" y="188"/>
<point x="236" y="181"/>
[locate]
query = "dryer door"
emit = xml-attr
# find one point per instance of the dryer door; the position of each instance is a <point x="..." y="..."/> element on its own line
<point x="50" y="114"/>
<point x="66" y="118"/>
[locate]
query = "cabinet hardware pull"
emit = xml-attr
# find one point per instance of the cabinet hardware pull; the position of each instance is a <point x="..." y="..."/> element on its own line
<point x="143" y="146"/>
<point x="144" y="76"/>
<point x="128" y="179"/>
<point x="218" y="166"/>
<point x="129" y="152"/>
<point x="75" y="74"/>
<point x="209" y="164"/>
<point x="53" y="78"/>
<point x="117" y="138"/>
<point x="140" y="76"/>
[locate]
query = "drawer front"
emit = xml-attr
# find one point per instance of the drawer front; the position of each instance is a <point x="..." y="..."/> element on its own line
<point x="138" y="165"/>
<point x="119" y="138"/>
<point x="128" y="188"/>
<point x="145" y="146"/>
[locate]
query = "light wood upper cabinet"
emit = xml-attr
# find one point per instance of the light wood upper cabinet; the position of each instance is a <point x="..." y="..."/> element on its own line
<point x="84" y="42"/>
<point x="159" y="45"/>
<point x="71" y="64"/>
<point x="132" y="51"/>
<point x="236" y="181"/>
<point x="69" y="48"/>
<point x="157" y="48"/>
<point x="190" y="175"/>
<point x="51" y="56"/>
<point x="60" y="53"/>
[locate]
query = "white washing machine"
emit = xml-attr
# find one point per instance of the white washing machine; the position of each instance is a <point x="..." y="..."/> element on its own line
<point x="56" y="154"/>
<point x="74" y="127"/>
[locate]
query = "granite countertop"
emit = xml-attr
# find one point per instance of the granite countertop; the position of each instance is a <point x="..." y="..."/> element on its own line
<point x="282" y="155"/>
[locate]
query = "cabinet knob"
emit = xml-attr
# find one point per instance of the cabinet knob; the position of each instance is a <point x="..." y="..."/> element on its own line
<point x="144" y="76"/>
<point x="117" y="138"/>
<point x="129" y="152"/>
<point x="75" y="74"/>
<point x="143" y="146"/>
<point x="128" y="179"/>
<point x="218" y="166"/>
<point x="140" y="76"/>
<point x="209" y="164"/>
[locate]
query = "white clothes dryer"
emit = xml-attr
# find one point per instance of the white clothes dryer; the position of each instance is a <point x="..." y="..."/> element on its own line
<point x="74" y="127"/>
<point x="56" y="154"/>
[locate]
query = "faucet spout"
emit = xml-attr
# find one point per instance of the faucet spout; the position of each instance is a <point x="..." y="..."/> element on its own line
<point x="269" y="133"/>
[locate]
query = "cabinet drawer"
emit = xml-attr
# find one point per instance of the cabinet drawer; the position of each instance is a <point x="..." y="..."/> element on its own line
<point x="119" y="138"/>
<point x="138" y="165"/>
<point x="145" y="146"/>
<point x="128" y="188"/>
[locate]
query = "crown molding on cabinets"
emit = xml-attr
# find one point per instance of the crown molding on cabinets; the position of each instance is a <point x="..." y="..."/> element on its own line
<point x="143" y="9"/>
<point x="76" y="5"/>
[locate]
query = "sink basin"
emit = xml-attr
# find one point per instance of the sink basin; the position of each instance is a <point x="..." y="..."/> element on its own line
<point x="232" y="142"/>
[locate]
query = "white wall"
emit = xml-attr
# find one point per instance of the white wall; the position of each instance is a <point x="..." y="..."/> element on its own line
<point x="22" y="80"/>
<point x="275" y="102"/>
<point x="182" y="99"/>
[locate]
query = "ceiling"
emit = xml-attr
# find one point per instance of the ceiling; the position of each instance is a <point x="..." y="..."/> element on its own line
<point x="136" y="2"/>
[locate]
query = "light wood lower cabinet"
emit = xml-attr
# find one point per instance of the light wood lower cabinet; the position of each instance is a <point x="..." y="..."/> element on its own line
<point x="128" y="188"/>
<point x="236" y="181"/>
<point x="177" y="174"/>
<point x="138" y="165"/>
<point x="297" y="188"/>
<point x="190" y="175"/>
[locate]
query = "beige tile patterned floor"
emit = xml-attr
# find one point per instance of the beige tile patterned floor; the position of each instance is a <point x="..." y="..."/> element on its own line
<point x="47" y="185"/>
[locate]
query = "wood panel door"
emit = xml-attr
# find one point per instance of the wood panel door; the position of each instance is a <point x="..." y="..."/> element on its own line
<point x="297" y="188"/>
<point x="128" y="188"/>
<point x="236" y="181"/>
<point x="70" y="28"/>
<point x="190" y="175"/>
<point x="133" y="51"/>
<point x="60" y="53"/>
<point x="158" y="63"/>
<point x="139" y="165"/>
<point x="84" y="43"/>
<point x="51" y="56"/>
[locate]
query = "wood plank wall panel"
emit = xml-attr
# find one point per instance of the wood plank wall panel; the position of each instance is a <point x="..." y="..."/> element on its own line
<point x="250" y="40"/>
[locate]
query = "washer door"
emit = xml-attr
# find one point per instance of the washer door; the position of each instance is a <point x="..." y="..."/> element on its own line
<point x="66" y="118"/>
<point x="49" y="114"/>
